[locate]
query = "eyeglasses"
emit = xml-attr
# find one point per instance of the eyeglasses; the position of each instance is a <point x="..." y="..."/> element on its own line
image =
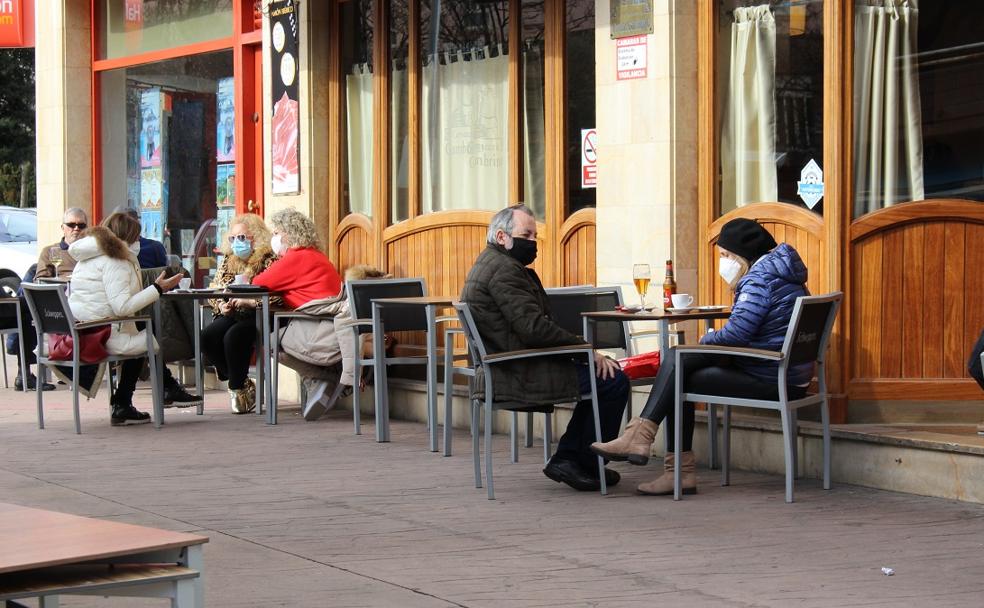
<point x="238" y="237"/>
<point x="76" y="225"/>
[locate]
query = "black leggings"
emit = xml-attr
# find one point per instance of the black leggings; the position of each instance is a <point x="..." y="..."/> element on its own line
<point x="715" y="374"/>
<point x="228" y="343"/>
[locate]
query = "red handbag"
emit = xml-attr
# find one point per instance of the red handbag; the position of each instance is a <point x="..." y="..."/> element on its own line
<point x="645" y="365"/>
<point x="93" y="341"/>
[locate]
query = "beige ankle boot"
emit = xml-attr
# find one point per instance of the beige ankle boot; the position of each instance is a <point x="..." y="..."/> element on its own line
<point x="634" y="445"/>
<point x="664" y="484"/>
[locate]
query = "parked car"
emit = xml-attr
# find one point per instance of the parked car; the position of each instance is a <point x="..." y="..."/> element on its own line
<point x="18" y="245"/>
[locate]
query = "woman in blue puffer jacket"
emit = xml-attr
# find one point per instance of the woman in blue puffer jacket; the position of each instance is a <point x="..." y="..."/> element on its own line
<point x="766" y="279"/>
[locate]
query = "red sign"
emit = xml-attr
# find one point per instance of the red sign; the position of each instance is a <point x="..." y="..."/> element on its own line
<point x="589" y="158"/>
<point x="133" y="15"/>
<point x="12" y="22"/>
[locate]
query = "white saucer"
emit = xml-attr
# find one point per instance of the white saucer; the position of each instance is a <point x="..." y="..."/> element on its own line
<point x="710" y="308"/>
<point x="679" y="310"/>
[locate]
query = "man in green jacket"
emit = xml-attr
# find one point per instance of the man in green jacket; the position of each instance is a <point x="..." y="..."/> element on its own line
<point x="512" y="313"/>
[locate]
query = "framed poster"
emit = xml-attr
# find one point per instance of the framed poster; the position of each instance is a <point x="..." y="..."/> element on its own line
<point x="225" y="121"/>
<point x="285" y="141"/>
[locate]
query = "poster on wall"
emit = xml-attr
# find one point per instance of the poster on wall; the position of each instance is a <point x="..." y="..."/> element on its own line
<point x="152" y="224"/>
<point x="225" y="185"/>
<point x="151" y="188"/>
<point x="225" y="121"/>
<point x="223" y="218"/>
<point x="285" y="141"/>
<point x="150" y="128"/>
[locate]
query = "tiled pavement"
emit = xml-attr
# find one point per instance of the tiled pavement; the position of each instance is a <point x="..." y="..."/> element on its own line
<point x="307" y="514"/>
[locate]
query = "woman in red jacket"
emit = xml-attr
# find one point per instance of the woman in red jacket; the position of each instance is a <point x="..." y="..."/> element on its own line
<point x="301" y="273"/>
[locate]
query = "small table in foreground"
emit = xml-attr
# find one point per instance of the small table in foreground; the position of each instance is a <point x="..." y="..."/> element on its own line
<point x="430" y="304"/>
<point x="46" y="554"/>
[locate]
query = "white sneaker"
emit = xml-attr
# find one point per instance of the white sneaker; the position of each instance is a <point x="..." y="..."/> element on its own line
<point x="317" y="398"/>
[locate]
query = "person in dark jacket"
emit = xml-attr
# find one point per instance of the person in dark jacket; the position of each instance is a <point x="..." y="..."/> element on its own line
<point x="766" y="279"/>
<point x="511" y="312"/>
<point x="151" y="253"/>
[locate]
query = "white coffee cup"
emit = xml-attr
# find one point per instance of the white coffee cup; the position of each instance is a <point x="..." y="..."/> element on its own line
<point x="184" y="284"/>
<point x="240" y="279"/>
<point x="681" y="300"/>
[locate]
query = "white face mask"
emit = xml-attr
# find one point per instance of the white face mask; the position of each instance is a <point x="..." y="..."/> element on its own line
<point x="277" y="244"/>
<point x="730" y="270"/>
<point x="135" y="248"/>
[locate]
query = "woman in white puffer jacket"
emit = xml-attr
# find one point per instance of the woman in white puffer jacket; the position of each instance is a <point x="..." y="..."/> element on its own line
<point x="106" y="283"/>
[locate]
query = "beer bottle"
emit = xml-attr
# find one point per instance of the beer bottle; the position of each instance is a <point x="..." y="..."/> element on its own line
<point x="669" y="285"/>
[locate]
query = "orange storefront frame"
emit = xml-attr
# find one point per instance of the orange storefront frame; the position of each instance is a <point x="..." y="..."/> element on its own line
<point x="246" y="45"/>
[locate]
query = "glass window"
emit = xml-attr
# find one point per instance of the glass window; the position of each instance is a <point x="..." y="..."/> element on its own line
<point x="399" y="117"/>
<point x="534" y="140"/>
<point x="357" y="30"/>
<point x="173" y="157"/>
<point x="128" y="27"/>
<point x="769" y="79"/>
<point x="465" y="104"/>
<point x="918" y="85"/>
<point x="580" y="97"/>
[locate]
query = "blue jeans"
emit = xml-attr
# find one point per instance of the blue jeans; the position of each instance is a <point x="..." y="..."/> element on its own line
<point x="613" y="394"/>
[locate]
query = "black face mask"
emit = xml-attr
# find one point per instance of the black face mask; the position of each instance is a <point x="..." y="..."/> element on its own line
<point x="523" y="250"/>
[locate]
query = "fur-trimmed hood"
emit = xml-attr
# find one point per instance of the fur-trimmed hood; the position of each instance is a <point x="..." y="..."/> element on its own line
<point x="100" y="241"/>
<point x="360" y="272"/>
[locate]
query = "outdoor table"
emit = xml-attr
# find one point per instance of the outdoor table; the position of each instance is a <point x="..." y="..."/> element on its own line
<point x="16" y="303"/>
<point x="262" y="324"/>
<point x="665" y="318"/>
<point x="45" y="554"/>
<point x="430" y="304"/>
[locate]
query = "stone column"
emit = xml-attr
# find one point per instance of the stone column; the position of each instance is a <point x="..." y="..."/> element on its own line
<point x="647" y="153"/>
<point x="64" y="112"/>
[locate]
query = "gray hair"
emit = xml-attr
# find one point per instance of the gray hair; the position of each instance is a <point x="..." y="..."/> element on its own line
<point x="297" y="227"/>
<point x="75" y="212"/>
<point x="503" y="220"/>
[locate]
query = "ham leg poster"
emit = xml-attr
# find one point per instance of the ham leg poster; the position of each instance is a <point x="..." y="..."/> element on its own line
<point x="285" y="144"/>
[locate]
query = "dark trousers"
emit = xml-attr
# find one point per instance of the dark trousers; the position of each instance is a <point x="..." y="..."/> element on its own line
<point x="9" y="320"/>
<point x="228" y="343"/>
<point x="710" y="374"/>
<point x="127" y="381"/>
<point x="613" y="394"/>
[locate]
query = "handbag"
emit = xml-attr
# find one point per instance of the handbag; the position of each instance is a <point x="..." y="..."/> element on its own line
<point x="93" y="348"/>
<point x="645" y="365"/>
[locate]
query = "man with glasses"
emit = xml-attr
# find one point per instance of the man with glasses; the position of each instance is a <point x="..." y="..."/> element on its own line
<point x="53" y="262"/>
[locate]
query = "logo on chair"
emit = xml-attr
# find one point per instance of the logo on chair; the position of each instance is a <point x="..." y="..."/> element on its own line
<point x="806" y="337"/>
<point x="54" y="314"/>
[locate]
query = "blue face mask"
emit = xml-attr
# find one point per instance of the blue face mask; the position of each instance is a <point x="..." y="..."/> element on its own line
<point x="242" y="249"/>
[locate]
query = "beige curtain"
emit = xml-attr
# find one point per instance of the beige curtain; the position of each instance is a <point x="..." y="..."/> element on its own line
<point x="466" y="132"/>
<point x="748" y="164"/>
<point x="358" y="97"/>
<point x="887" y="110"/>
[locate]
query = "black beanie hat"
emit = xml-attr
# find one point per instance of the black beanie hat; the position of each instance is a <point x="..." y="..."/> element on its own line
<point x="746" y="238"/>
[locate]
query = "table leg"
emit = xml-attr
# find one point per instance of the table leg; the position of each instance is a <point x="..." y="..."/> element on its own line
<point x="664" y="352"/>
<point x="379" y="373"/>
<point x="199" y="368"/>
<point x="24" y="367"/>
<point x="193" y="559"/>
<point x="432" y="374"/>
<point x="157" y="329"/>
<point x="712" y="441"/>
<point x="274" y="371"/>
<point x="265" y="341"/>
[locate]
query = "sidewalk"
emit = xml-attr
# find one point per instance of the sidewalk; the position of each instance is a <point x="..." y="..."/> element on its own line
<point x="307" y="514"/>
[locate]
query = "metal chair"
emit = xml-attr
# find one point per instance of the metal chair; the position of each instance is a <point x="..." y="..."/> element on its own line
<point x="806" y="342"/>
<point x="360" y="296"/>
<point x="52" y="315"/>
<point x="484" y="364"/>
<point x="18" y="329"/>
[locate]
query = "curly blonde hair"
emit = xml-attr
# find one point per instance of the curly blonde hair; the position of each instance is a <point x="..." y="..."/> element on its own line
<point x="297" y="228"/>
<point x="256" y="228"/>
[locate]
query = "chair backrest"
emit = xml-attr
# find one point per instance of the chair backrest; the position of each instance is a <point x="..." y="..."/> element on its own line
<point x="472" y="337"/>
<point x="49" y="308"/>
<point x="810" y="327"/>
<point x="567" y="304"/>
<point x="395" y="318"/>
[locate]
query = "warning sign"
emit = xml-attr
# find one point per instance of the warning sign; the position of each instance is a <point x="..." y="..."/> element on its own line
<point x="589" y="158"/>
<point x="631" y="57"/>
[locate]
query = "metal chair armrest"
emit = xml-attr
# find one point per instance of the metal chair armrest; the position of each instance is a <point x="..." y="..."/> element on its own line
<point x="530" y="353"/>
<point x="755" y="353"/>
<point x="293" y="314"/>
<point x="446" y="318"/>
<point x="111" y="320"/>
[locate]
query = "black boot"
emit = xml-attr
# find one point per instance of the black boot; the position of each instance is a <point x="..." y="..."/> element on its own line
<point x="32" y="383"/>
<point x="124" y="414"/>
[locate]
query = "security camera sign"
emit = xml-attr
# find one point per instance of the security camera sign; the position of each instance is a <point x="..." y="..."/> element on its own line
<point x="631" y="57"/>
<point x="810" y="186"/>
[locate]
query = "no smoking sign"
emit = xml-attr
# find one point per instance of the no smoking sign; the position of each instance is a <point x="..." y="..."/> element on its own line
<point x="589" y="158"/>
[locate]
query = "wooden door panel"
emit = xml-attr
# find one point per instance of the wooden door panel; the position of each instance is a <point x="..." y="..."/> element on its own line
<point x="354" y="242"/>
<point x="578" y="249"/>
<point x="915" y="304"/>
